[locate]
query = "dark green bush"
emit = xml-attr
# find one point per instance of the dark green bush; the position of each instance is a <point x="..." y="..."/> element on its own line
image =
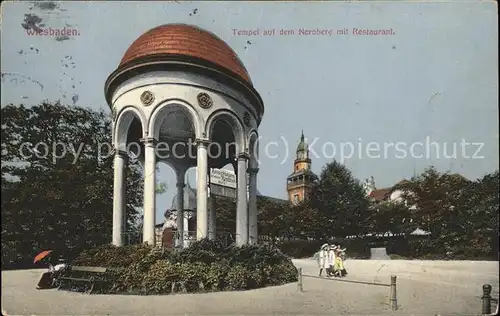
<point x="112" y="256"/>
<point x="426" y="248"/>
<point x="204" y="266"/>
<point x="357" y="248"/>
<point x="417" y="248"/>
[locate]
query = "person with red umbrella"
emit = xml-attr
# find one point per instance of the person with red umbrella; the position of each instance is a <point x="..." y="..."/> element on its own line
<point x="49" y="278"/>
<point x="46" y="278"/>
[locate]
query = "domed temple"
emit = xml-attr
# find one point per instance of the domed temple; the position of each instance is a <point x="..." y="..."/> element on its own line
<point x="182" y="96"/>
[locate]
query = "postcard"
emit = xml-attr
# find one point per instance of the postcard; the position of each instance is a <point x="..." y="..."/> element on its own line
<point x="279" y="157"/>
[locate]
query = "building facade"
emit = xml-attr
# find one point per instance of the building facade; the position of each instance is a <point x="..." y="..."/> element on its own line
<point x="300" y="182"/>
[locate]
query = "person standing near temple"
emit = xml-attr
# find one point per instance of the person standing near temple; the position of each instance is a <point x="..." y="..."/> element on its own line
<point x="331" y="259"/>
<point x="323" y="259"/>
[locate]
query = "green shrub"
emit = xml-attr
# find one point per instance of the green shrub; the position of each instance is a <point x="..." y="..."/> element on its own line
<point x="237" y="278"/>
<point x="416" y="248"/>
<point x="357" y="248"/>
<point x="112" y="256"/>
<point x="160" y="278"/>
<point x="204" y="266"/>
<point x="206" y="251"/>
<point x="216" y="275"/>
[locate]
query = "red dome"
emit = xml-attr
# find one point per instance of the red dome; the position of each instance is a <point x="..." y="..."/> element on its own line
<point x="188" y="40"/>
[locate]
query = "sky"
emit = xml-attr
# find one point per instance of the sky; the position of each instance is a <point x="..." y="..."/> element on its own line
<point x="433" y="80"/>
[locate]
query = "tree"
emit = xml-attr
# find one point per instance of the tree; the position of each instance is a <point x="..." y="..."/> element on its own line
<point x="394" y="217"/>
<point x="58" y="195"/>
<point x="226" y="215"/>
<point x="340" y="201"/>
<point x="461" y="215"/>
<point x="476" y="227"/>
<point x="436" y="199"/>
<point x="161" y="187"/>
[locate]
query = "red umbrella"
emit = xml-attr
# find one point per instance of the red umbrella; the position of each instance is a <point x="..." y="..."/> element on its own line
<point x="42" y="255"/>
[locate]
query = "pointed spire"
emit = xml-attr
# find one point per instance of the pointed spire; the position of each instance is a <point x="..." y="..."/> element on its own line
<point x="302" y="144"/>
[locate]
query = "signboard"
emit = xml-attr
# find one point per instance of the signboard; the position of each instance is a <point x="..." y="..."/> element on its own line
<point x="223" y="183"/>
<point x="223" y="178"/>
<point x="220" y="190"/>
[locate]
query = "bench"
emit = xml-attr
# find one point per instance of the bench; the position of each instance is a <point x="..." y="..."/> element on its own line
<point x="90" y="276"/>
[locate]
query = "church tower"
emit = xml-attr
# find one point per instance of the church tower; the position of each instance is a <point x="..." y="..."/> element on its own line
<point x="300" y="182"/>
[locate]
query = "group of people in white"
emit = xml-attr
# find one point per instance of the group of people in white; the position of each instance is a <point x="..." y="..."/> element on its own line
<point x="331" y="259"/>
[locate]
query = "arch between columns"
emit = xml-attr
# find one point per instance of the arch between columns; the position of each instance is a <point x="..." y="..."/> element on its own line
<point x="122" y="125"/>
<point x="171" y="105"/>
<point x="236" y="125"/>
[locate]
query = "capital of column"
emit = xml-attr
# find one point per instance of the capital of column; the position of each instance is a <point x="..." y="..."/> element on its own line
<point x="243" y="156"/>
<point x="120" y="153"/>
<point x="180" y="185"/>
<point x="253" y="170"/>
<point x="149" y="141"/>
<point x="202" y="141"/>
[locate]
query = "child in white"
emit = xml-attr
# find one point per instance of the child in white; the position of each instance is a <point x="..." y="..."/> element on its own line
<point x="331" y="259"/>
<point x="323" y="258"/>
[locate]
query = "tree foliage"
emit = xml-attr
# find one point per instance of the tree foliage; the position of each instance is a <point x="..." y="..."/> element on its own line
<point x="341" y="202"/>
<point x="461" y="215"/>
<point x="393" y="217"/>
<point x="58" y="196"/>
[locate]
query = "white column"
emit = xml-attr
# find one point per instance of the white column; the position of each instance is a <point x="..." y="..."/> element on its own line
<point x="149" y="191"/>
<point x="180" y="207"/>
<point x="242" y="205"/>
<point x="201" y="189"/>
<point x="119" y="198"/>
<point x="252" y="206"/>
<point x="186" y="230"/>
<point x="212" y="217"/>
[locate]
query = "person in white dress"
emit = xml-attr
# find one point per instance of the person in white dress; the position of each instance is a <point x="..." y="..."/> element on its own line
<point x="323" y="258"/>
<point x="331" y="259"/>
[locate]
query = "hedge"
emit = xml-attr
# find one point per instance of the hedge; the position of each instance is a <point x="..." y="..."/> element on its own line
<point x="356" y="248"/>
<point x="401" y="247"/>
<point x="204" y="266"/>
<point x="439" y="249"/>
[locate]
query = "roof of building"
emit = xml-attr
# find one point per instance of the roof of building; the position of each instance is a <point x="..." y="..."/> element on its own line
<point x="187" y="40"/>
<point x="380" y="194"/>
<point x="383" y="194"/>
<point x="303" y="172"/>
<point x="402" y="182"/>
<point x="273" y="199"/>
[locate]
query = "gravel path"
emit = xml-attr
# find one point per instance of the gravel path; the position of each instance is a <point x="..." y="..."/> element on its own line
<point x="424" y="287"/>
